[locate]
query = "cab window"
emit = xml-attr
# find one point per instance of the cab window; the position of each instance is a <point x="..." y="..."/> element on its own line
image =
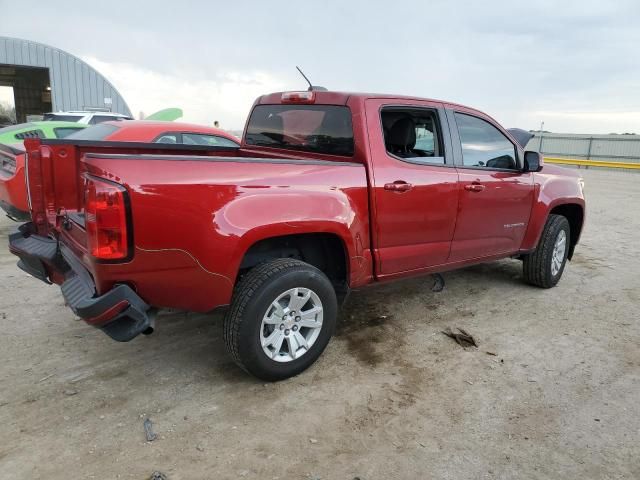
<point x="483" y="145"/>
<point x="323" y="129"/>
<point x="413" y="134"/>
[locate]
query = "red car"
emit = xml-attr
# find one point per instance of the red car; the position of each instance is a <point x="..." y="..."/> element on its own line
<point x="328" y="191"/>
<point x="13" y="192"/>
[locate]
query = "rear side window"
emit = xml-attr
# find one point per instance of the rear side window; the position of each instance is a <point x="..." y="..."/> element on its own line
<point x="311" y="128"/>
<point x="483" y="145"/>
<point x="413" y="134"/>
<point x="207" y="140"/>
<point x="97" y="132"/>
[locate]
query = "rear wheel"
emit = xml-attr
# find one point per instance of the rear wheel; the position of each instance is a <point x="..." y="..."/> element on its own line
<point x="281" y="318"/>
<point x="545" y="265"/>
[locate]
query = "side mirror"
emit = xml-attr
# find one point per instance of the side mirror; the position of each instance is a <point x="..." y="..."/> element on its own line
<point x="533" y="161"/>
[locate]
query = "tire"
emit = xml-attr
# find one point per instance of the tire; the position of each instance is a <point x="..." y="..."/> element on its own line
<point x="538" y="267"/>
<point x="258" y="301"/>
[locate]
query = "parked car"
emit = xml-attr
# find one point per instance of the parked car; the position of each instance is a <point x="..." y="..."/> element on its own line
<point x="85" y="117"/>
<point x="13" y="190"/>
<point x="17" y="133"/>
<point x="328" y="192"/>
<point x="158" y="132"/>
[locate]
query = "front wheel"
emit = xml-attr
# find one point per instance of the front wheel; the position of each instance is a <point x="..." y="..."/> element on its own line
<point x="545" y="265"/>
<point x="282" y="316"/>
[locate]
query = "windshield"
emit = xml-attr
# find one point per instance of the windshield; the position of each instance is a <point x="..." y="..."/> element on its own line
<point x="312" y="128"/>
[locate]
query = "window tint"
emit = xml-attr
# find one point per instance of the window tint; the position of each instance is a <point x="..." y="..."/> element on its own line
<point x="101" y="118"/>
<point x="97" y="132"/>
<point x="209" y="140"/>
<point x="483" y="145"/>
<point x="63" y="132"/>
<point x="312" y="128"/>
<point x="412" y="133"/>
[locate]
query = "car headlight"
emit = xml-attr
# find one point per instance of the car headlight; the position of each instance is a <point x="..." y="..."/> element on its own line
<point x="581" y="182"/>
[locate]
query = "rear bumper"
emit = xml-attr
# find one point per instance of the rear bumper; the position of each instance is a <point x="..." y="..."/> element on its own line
<point x="120" y="312"/>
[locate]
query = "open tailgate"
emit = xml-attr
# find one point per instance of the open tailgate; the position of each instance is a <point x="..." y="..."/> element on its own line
<point x="53" y="182"/>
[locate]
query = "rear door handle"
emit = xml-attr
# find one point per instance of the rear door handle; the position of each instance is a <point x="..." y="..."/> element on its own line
<point x="398" y="186"/>
<point x="474" y="187"/>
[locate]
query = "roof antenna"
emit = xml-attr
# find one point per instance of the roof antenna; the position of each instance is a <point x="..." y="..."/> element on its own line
<point x="305" y="77"/>
<point x="311" y="87"/>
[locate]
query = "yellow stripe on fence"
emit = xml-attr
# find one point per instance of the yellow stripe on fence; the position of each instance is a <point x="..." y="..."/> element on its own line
<point x="592" y="163"/>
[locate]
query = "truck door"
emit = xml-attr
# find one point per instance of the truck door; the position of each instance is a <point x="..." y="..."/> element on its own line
<point x="495" y="196"/>
<point x="414" y="185"/>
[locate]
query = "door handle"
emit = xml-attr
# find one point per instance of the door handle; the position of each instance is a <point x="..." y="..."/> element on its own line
<point x="398" y="186"/>
<point x="474" y="187"/>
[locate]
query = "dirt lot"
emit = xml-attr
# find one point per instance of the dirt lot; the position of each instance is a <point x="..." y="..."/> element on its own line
<point x="390" y="398"/>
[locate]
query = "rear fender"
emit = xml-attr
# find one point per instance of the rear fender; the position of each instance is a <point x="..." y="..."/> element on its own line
<point x="261" y="217"/>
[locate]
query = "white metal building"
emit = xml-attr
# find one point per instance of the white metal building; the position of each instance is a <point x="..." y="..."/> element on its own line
<point x="46" y="79"/>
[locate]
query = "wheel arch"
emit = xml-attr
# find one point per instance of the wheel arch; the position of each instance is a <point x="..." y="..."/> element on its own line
<point x="326" y="250"/>
<point x="574" y="213"/>
<point x="571" y="208"/>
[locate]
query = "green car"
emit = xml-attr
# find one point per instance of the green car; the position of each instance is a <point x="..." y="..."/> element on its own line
<point x="50" y="129"/>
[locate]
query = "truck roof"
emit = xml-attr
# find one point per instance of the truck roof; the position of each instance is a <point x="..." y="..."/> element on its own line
<point x="341" y="98"/>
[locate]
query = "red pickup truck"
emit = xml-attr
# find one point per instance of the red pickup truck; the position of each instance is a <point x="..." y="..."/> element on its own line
<point x="328" y="191"/>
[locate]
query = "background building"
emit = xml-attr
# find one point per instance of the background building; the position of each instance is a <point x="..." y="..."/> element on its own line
<point x="46" y="79"/>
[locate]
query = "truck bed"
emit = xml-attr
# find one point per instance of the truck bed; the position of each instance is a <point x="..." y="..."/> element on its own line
<point x="194" y="210"/>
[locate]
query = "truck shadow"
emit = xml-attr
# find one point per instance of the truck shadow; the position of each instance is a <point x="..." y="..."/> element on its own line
<point x="371" y="324"/>
<point x="373" y="321"/>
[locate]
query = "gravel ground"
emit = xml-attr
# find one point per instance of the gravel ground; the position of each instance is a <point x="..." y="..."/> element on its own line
<point x="390" y="398"/>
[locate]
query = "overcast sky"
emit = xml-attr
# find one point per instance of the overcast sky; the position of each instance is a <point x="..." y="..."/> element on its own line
<point x="573" y="65"/>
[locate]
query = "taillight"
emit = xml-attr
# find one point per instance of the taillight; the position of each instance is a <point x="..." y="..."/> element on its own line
<point x="298" y="97"/>
<point x="106" y="219"/>
<point x="7" y="164"/>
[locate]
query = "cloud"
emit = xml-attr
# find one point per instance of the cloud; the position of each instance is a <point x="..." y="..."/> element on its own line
<point x="606" y="121"/>
<point x="513" y="60"/>
<point x="227" y="98"/>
